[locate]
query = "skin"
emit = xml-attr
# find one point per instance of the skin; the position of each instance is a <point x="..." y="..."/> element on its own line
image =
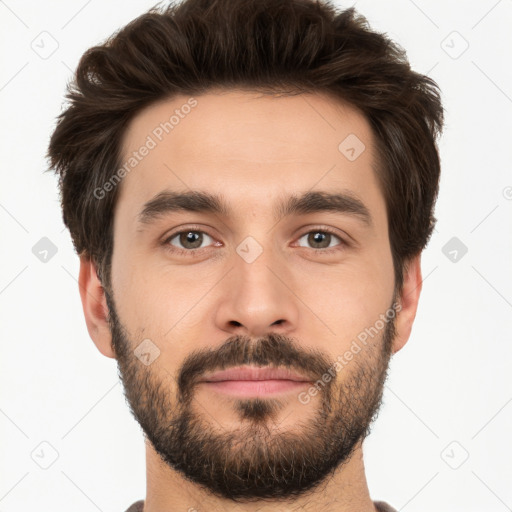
<point x="254" y="150"/>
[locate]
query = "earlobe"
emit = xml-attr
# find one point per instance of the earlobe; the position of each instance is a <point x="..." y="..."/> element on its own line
<point x="409" y="299"/>
<point x="95" y="307"/>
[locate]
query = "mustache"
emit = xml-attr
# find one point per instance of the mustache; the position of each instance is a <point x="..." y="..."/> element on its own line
<point x="271" y="350"/>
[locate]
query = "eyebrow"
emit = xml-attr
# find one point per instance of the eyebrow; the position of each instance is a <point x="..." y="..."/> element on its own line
<point x="205" y="202"/>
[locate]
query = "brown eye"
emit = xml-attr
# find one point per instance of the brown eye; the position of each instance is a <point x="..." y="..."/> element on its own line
<point x="321" y="239"/>
<point x="189" y="239"/>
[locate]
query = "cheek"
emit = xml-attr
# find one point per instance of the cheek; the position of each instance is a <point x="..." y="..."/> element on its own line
<point x="348" y="303"/>
<point x="162" y="301"/>
<point x="355" y="290"/>
<point x="138" y="291"/>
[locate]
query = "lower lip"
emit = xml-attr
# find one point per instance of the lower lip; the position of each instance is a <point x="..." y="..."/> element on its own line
<point x="255" y="387"/>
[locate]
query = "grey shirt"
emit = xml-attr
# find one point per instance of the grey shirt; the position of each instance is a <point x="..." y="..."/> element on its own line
<point x="381" y="506"/>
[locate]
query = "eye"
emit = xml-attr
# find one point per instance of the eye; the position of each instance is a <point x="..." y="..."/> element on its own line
<point x="321" y="240"/>
<point x="188" y="240"/>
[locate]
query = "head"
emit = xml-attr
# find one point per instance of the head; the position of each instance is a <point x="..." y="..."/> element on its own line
<point x="250" y="183"/>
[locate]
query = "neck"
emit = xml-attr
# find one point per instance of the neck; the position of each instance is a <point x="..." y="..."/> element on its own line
<point x="345" y="491"/>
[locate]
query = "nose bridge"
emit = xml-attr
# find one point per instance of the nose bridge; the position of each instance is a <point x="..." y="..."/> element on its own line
<point x="256" y="266"/>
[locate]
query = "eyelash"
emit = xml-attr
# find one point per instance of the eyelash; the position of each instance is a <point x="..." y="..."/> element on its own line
<point x="194" y="252"/>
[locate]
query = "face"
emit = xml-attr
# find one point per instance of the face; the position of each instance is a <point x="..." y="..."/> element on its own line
<point x="252" y="235"/>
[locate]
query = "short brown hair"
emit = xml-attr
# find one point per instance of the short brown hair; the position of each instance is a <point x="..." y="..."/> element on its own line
<point x="261" y="45"/>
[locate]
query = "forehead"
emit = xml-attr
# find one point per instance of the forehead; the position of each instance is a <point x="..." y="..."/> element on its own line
<point x="250" y="147"/>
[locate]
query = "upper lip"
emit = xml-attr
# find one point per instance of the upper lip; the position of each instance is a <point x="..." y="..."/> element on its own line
<point x="254" y="373"/>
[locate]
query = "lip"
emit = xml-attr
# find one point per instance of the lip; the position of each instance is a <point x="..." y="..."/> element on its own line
<point x="254" y="373"/>
<point x="252" y="381"/>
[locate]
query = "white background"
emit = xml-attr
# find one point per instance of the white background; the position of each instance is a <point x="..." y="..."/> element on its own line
<point x="449" y="395"/>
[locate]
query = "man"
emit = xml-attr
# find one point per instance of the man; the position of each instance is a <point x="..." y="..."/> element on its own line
<point x="249" y="186"/>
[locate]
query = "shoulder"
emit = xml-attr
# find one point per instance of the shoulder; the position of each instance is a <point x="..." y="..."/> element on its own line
<point x="138" y="506"/>
<point x="382" y="506"/>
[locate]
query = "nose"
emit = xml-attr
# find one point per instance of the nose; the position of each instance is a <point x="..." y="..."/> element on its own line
<point x="258" y="298"/>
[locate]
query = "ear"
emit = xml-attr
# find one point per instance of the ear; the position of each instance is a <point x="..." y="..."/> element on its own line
<point x="95" y="307"/>
<point x="409" y="299"/>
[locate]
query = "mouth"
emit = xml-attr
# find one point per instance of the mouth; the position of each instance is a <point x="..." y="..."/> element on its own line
<point x="255" y="381"/>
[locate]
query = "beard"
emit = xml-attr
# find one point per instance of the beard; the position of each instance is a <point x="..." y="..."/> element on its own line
<point x="257" y="460"/>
